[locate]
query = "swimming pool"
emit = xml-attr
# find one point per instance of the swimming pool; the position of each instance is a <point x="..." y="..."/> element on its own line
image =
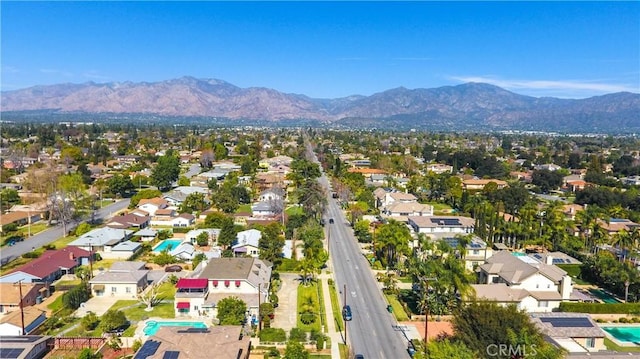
<point x="603" y="296"/>
<point x="168" y="244"/>
<point x="152" y="326"/>
<point x="624" y="334"/>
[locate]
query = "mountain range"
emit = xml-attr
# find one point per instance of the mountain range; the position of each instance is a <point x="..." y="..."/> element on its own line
<point x="463" y="107"/>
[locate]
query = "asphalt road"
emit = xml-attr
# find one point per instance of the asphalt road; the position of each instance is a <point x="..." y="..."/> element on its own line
<point x="8" y="254"/>
<point x="372" y="331"/>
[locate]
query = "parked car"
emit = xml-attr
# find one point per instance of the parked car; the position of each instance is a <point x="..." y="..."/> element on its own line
<point x="330" y="220"/>
<point x="346" y="313"/>
<point x="358" y="356"/>
<point x="173" y="268"/>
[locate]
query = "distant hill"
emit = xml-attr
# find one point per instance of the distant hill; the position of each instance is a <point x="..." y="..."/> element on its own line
<point x="462" y="107"/>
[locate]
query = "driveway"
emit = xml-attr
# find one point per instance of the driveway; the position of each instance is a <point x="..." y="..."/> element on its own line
<point x="286" y="313"/>
<point x="98" y="305"/>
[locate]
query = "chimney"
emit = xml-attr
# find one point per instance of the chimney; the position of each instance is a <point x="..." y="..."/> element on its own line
<point x="548" y="260"/>
<point x="566" y="287"/>
<point x="72" y="256"/>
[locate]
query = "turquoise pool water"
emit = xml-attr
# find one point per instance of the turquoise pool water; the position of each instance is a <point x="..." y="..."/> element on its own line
<point x="624" y="334"/>
<point x="604" y="296"/>
<point x="152" y="326"/>
<point x="167" y="244"/>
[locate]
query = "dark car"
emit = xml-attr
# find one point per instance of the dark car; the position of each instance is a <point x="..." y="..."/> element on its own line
<point x="346" y="313"/>
<point x="173" y="268"/>
<point x="358" y="356"/>
<point x="322" y="222"/>
<point x="330" y="220"/>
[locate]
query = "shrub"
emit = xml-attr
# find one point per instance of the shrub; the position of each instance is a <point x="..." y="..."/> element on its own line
<point x="82" y="228"/>
<point x="76" y="296"/>
<point x="297" y="335"/>
<point x="320" y="342"/>
<point x="272" y="353"/>
<point x="90" y="321"/>
<point x="274" y="335"/>
<point x="330" y="281"/>
<point x="137" y="344"/>
<point x="49" y="247"/>
<point x="600" y="308"/>
<point x="31" y="255"/>
<point x="622" y="320"/>
<point x="9" y="227"/>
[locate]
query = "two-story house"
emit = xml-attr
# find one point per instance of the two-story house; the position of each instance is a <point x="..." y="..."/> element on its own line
<point x="247" y="243"/>
<point x="531" y="285"/>
<point x="245" y="278"/>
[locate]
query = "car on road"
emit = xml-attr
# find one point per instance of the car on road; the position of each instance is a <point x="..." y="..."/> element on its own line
<point x="358" y="356"/>
<point x="346" y="313"/>
<point x="173" y="268"/>
<point x="330" y="220"/>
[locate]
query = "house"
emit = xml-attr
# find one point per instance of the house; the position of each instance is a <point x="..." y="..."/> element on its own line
<point x="180" y="194"/>
<point x="146" y="235"/>
<point x="272" y="194"/>
<point x="475" y="252"/>
<point x="10" y="295"/>
<point x="570" y="210"/>
<point x="615" y="225"/>
<point x="385" y="197"/>
<point x="185" y="251"/>
<point x="49" y="267"/>
<point x="265" y="209"/>
<point x="129" y="220"/>
<point x="406" y="209"/>
<point x="171" y="220"/>
<point x="212" y="234"/>
<point x="151" y="205"/>
<point x="226" y="341"/>
<point x="548" y="167"/>
<point x="245" y="278"/>
<point x="631" y="180"/>
<point x="19" y="217"/>
<point x="573" y="332"/>
<point x="532" y="285"/>
<point x="439" y="168"/>
<point x="123" y="280"/>
<point x="441" y="224"/>
<point x="27" y="346"/>
<point x="247" y="243"/>
<point x="102" y="239"/>
<point x="478" y="184"/>
<point x="123" y="250"/>
<point x="11" y="324"/>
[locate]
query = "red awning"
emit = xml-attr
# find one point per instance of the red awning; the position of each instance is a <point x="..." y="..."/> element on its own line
<point x="237" y="283"/>
<point x="226" y="283"/>
<point x="183" y="305"/>
<point x="215" y="283"/>
<point x="192" y="283"/>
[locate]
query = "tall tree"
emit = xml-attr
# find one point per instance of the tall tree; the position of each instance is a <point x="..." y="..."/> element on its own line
<point x="165" y="172"/>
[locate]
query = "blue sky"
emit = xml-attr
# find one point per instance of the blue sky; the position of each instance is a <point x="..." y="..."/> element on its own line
<point x="328" y="49"/>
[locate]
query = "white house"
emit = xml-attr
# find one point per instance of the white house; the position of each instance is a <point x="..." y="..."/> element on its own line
<point x="11" y="324"/>
<point x="123" y="280"/>
<point x="441" y="224"/>
<point x="123" y="250"/>
<point x="146" y="235"/>
<point x="533" y="285"/>
<point x="247" y="243"/>
<point x="151" y="205"/>
<point x="244" y="278"/>
<point x="272" y="194"/>
<point x="212" y="233"/>
<point x="264" y="209"/>
<point x="406" y="209"/>
<point x="184" y="250"/>
<point x="102" y="239"/>
<point x="171" y="220"/>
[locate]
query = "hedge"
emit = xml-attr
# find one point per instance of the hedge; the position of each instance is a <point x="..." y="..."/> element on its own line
<point x="601" y="308"/>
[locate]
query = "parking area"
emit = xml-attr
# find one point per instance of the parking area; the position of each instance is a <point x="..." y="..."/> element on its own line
<point x="285" y="314"/>
<point x="98" y="305"/>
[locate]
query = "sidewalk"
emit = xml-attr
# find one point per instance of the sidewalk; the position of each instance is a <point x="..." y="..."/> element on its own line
<point x="336" y="337"/>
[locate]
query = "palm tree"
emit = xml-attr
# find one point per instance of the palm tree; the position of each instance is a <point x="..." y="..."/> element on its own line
<point x="392" y="239"/>
<point x="623" y="240"/>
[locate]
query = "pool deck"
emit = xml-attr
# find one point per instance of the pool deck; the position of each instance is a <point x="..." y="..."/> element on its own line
<point x="139" y="333"/>
<point x="619" y="325"/>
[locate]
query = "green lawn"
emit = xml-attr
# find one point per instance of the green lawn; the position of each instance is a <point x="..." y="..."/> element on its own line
<point x="344" y="351"/>
<point x="244" y="208"/>
<point x="122" y="304"/>
<point x="337" y="311"/>
<point x="64" y="283"/>
<point x="56" y="305"/>
<point x="167" y="290"/>
<point x="309" y="291"/>
<point x="293" y="210"/>
<point x="138" y="313"/>
<point x="323" y="315"/>
<point x="615" y="347"/>
<point x="398" y="310"/>
<point x="405" y="279"/>
<point x="574" y="271"/>
<point x="319" y="356"/>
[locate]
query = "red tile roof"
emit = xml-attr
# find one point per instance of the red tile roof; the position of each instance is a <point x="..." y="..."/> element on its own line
<point x="192" y="283"/>
<point x="51" y="261"/>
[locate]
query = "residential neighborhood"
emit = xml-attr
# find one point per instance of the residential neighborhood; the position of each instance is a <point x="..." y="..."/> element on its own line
<point x="256" y="237"/>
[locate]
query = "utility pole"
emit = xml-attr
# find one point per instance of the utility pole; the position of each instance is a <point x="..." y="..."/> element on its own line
<point x="259" y="314"/>
<point x="21" y="307"/>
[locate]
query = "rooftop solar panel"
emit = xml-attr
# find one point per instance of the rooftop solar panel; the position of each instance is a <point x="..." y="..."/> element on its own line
<point x="148" y="349"/>
<point x="10" y="353"/>
<point x="171" y="355"/>
<point x="568" y="322"/>
<point x="476" y="245"/>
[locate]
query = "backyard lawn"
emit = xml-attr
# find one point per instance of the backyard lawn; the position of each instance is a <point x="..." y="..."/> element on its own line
<point x="574" y="271"/>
